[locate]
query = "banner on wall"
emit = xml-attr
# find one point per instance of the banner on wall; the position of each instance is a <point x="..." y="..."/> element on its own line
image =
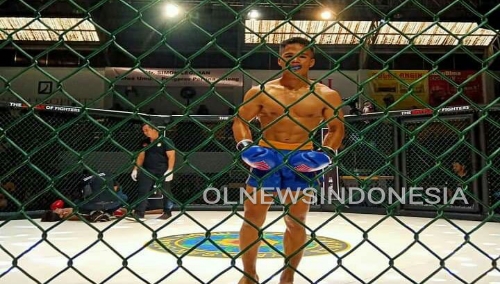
<point x="388" y="87"/>
<point x="441" y="90"/>
<point x="174" y="78"/>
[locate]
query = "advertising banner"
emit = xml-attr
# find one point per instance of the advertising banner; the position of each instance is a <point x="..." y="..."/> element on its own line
<point x="441" y="90"/>
<point x="174" y="78"/>
<point x="388" y="87"/>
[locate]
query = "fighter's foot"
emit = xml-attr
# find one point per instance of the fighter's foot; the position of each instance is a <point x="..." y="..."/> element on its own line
<point x="246" y="280"/>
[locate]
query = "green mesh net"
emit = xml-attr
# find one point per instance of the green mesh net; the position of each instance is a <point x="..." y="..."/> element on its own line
<point x="410" y="127"/>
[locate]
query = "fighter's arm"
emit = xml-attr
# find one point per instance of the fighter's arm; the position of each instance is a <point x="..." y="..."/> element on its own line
<point x="334" y="118"/>
<point x="312" y="161"/>
<point x="253" y="155"/>
<point x="247" y="111"/>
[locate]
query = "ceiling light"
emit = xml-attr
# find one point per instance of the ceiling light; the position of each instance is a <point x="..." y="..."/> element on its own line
<point x="171" y="10"/>
<point x="326" y="15"/>
<point x="351" y="32"/>
<point x="253" y="14"/>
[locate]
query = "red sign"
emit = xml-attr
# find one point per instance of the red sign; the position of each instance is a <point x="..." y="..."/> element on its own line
<point x="441" y="90"/>
<point x="428" y="111"/>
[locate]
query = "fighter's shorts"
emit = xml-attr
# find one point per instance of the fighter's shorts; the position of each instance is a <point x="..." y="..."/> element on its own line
<point x="283" y="176"/>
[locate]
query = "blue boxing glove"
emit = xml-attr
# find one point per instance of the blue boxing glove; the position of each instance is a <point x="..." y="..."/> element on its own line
<point x="257" y="157"/>
<point x="310" y="161"/>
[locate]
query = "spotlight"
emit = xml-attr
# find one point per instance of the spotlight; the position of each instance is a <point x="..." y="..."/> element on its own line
<point x="253" y="14"/>
<point x="326" y="15"/>
<point x="171" y="10"/>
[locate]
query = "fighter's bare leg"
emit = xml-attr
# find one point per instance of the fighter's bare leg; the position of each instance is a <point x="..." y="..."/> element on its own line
<point x="255" y="216"/>
<point x="295" y="235"/>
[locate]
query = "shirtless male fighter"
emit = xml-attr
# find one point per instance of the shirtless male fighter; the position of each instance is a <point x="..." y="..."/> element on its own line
<point x="289" y="110"/>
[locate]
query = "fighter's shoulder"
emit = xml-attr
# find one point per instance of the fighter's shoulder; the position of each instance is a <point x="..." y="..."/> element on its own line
<point x="262" y="88"/>
<point x="326" y="91"/>
<point x="266" y="86"/>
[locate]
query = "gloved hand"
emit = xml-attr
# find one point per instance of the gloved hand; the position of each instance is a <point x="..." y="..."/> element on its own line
<point x="310" y="161"/>
<point x="257" y="157"/>
<point x="169" y="176"/>
<point x="58" y="204"/>
<point x="134" y="174"/>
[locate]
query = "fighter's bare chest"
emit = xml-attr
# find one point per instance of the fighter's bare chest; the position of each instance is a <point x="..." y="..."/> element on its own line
<point x="297" y="103"/>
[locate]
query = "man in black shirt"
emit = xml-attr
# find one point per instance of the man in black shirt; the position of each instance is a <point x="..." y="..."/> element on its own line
<point x="97" y="193"/>
<point x="156" y="163"/>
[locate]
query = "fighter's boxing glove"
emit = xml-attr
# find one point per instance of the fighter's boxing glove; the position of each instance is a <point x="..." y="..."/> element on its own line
<point x="310" y="161"/>
<point x="58" y="204"/>
<point x="257" y="157"/>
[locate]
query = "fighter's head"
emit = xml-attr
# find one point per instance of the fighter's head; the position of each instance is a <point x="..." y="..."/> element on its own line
<point x="298" y="53"/>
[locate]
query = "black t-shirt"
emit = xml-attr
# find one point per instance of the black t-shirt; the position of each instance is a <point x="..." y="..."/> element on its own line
<point x="156" y="159"/>
<point x="99" y="188"/>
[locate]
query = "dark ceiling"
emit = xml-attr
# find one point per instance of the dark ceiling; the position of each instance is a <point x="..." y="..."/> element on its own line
<point x="212" y="33"/>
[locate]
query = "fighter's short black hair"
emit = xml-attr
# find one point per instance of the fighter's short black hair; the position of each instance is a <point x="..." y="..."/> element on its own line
<point x="298" y="40"/>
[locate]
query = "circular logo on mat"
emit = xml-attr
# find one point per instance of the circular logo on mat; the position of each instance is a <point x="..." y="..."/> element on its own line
<point x="226" y="244"/>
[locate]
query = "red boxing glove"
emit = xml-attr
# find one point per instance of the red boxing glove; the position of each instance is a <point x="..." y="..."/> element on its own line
<point x="119" y="212"/>
<point x="58" y="204"/>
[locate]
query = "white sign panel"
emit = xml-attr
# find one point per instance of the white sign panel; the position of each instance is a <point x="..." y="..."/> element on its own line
<point x="172" y="77"/>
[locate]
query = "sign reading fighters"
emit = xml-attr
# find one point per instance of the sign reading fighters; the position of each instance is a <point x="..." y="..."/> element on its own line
<point x="172" y="77"/>
<point x="46" y="107"/>
<point x="426" y="111"/>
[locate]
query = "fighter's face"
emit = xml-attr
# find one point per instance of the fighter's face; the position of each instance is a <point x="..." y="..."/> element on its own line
<point x="299" y="58"/>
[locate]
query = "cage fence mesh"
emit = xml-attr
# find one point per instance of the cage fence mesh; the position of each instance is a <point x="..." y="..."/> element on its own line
<point x="492" y="175"/>
<point x="43" y="153"/>
<point x="452" y="150"/>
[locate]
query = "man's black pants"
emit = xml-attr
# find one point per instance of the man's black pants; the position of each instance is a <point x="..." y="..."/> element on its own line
<point x="146" y="184"/>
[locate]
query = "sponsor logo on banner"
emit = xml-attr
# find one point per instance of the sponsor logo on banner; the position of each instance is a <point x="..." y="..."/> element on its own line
<point x="173" y="77"/>
<point x="389" y="87"/>
<point x="442" y="90"/>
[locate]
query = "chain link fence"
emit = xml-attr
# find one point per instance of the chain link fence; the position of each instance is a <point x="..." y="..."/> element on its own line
<point x="44" y="153"/>
<point x="45" y="148"/>
<point x="66" y="144"/>
<point x="445" y="143"/>
<point x="368" y="145"/>
<point x="491" y="181"/>
<point x="378" y="152"/>
<point x="421" y="164"/>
